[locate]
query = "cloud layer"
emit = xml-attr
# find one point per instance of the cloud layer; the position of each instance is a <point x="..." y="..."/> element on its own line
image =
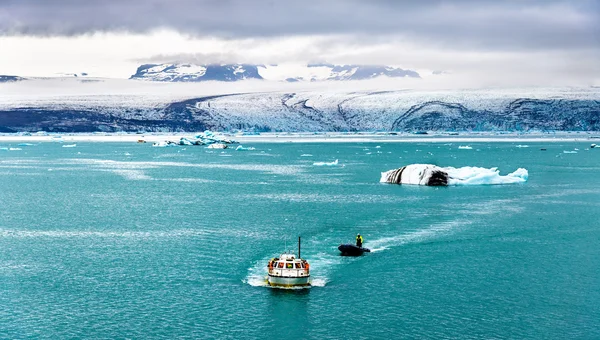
<point x="510" y="41"/>
<point x="482" y="24"/>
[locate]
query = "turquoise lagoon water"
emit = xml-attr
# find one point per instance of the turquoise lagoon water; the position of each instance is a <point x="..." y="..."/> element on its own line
<point x="114" y="240"/>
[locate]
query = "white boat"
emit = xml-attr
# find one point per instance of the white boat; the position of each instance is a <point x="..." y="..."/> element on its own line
<point x="289" y="271"/>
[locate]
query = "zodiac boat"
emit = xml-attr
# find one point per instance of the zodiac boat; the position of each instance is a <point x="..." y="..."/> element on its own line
<point x="289" y="271"/>
<point x="352" y="250"/>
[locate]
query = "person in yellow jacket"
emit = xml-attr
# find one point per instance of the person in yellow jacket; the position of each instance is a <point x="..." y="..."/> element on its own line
<point x="359" y="241"/>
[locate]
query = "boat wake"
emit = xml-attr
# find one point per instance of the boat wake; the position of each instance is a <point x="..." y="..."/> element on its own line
<point x="415" y="236"/>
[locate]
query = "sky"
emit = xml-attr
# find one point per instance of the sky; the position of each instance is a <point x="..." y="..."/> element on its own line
<point x="474" y="42"/>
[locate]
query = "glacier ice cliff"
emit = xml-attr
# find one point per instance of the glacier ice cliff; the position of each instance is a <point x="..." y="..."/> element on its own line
<point x="556" y="109"/>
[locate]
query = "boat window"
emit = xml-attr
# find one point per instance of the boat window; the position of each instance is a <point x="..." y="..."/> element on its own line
<point x="289" y="265"/>
<point x="298" y="265"/>
<point x="279" y="264"/>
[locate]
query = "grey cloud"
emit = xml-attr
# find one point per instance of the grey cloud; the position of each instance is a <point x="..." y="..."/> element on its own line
<point x="487" y="24"/>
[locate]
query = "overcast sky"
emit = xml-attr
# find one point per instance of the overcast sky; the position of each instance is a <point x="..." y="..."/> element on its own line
<point x="494" y="42"/>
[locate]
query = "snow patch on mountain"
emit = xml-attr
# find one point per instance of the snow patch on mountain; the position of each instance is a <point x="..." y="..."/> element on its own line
<point x="7" y="79"/>
<point x="285" y="72"/>
<point x="196" y="73"/>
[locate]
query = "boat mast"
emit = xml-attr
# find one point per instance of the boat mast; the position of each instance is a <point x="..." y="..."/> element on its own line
<point x="299" y="248"/>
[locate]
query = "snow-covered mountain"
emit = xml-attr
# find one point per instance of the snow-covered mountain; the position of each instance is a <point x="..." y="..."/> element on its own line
<point x="6" y="79"/>
<point x="554" y="109"/>
<point x="290" y="73"/>
<point x="195" y="73"/>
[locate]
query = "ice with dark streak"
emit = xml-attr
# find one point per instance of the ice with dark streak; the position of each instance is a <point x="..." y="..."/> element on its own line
<point x="433" y="175"/>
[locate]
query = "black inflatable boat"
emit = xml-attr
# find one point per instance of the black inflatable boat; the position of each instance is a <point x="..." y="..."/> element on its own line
<point x="352" y="250"/>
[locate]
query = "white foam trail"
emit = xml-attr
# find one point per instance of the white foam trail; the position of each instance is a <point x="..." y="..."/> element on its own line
<point x="267" y="168"/>
<point x="305" y="155"/>
<point x="135" y="175"/>
<point x="9" y="233"/>
<point x="414" y="236"/>
<point x="257" y="274"/>
<point x="522" y="146"/>
<point x="465" y="147"/>
<point x="334" y="163"/>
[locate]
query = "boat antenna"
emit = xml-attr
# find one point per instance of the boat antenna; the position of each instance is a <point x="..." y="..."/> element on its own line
<point x="299" y="248"/>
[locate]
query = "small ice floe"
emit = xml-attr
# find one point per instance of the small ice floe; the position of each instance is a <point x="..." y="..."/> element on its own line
<point x="218" y="146"/>
<point x="69" y="145"/>
<point x="14" y="149"/>
<point x="241" y="148"/>
<point x="465" y="147"/>
<point x="522" y="146"/>
<point x="163" y="144"/>
<point x="305" y="155"/>
<point x="185" y="141"/>
<point x="566" y="151"/>
<point x="334" y="163"/>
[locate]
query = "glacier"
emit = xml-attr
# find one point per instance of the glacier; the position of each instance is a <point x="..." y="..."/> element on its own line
<point x="322" y="110"/>
<point x="433" y="175"/>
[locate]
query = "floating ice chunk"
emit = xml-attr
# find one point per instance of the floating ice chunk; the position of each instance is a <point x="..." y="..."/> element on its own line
<point x="14" y="149"/>
<point x="241" y="148"/>
<point x="483" y="176"/>
<point x="163" y="144"/>
<point x="465" y="147"/>
<point x="69" y="145"/>
<point x="185" y="141"/>
<point x="417" y="174"/>
<point x="217" y="146"/>
<point x="334" y="163"/>
<point x="432" y="175"/>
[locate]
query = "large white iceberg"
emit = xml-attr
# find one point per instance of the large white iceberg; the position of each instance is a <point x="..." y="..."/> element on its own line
<point x="433" y="175"/>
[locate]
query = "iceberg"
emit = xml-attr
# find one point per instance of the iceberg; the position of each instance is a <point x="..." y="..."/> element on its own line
<point x="334" y="163"/>
<point x="185" y="141"/>
<point x="163" y="144"/>
<point x="241" y="148"/>
<point x="433" y="175"/>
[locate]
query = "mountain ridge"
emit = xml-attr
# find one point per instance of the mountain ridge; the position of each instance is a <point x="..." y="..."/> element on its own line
<point x="180" y="72"/>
